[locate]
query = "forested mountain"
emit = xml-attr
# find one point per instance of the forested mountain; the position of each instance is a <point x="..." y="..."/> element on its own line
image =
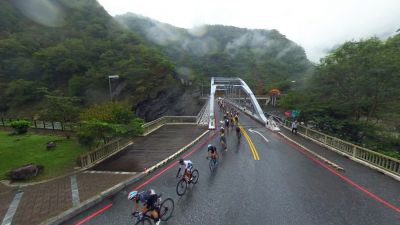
<point x="67" y="48"/>
<point x="264" y="58"/>
<point x="355" y="93"/>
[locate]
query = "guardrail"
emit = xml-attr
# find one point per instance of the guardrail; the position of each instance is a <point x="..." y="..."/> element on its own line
<point x="49" y="125"/>
<point x="96" y="156"/>
<point x="155" y="124"/>
<point x="366" y="155"/>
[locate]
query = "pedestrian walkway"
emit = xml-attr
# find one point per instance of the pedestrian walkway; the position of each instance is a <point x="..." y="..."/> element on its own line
<point x="149" y="150"/>
<point x="33" y="204"/>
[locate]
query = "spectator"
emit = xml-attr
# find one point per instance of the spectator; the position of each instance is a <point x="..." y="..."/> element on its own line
<point x="294" y="126"/>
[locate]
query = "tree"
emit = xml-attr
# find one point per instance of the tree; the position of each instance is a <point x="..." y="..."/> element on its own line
<point x="60" y="108"/>
<point x="109" y="120"/>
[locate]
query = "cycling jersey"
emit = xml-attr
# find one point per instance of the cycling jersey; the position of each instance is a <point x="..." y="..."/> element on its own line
<point x="148" y="198"/>
<point x="187" y="165"/>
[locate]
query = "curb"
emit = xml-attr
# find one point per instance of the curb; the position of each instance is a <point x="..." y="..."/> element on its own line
<point x="173" y="156"/>
<point x="82" y="169"/>
<point x="351" y="157"/>
<point x="334" y="165"/>
<point x="70" y="213"/>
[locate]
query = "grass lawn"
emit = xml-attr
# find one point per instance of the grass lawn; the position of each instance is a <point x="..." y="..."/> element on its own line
<point x="18" y="150"/>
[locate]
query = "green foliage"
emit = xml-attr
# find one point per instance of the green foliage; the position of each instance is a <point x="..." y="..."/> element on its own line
<point x="109" y="120"/>
<point x="20" y="126"/>
<point x="75" y="58"/>
<point x="110" y="112"/>
<point x="20" y="150"/>
<point x="19" y="92"/>
<point x="354" y="93"/>
<point x="60" y="108"/>
<point x="260" y="57"/>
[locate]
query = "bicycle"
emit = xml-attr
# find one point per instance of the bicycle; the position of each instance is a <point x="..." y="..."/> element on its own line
<point x="165" y="213"/>
<point x="183" y="183"/>
<point x="223" y="143"/>
<point x="213" y="163"/>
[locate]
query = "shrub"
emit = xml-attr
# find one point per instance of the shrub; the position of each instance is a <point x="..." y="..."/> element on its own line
<point x="85" y="139"/>
<point x="20" y="126"/>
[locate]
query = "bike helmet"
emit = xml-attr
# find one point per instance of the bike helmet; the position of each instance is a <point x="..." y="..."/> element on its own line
<point x="181" y="161"/>
<point x="132" y="195"/>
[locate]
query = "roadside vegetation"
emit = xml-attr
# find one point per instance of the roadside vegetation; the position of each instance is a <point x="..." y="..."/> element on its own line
<point x="100" y="124"/>
<point x="19" y="150"/>
<point x="354" y="94"/>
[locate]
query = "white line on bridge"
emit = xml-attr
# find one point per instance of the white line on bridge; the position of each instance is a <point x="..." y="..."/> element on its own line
<point x="254" y="131"/>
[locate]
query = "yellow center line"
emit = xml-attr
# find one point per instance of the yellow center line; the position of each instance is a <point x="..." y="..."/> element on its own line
<point x="252" y="147"/>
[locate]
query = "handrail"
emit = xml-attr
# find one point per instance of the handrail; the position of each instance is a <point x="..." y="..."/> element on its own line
<point x="91" y="158"/>
<point x="48" y="125"/>
<point x="155" y="124"/>
<point x="202" y="117"/>
<point x="377" y="159"/>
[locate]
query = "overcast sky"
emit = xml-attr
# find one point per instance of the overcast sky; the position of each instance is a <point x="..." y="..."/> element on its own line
<point x="316" y="25"/>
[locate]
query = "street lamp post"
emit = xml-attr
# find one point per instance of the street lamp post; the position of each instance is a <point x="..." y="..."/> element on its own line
<point x="109" y="83"/>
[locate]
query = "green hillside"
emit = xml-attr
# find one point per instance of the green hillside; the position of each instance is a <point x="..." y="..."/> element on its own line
<point x="264" y="58"/>
<point x="68" y="48"/>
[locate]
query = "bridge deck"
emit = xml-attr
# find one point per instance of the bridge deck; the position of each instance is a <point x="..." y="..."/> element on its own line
<point x="149" y="150"/>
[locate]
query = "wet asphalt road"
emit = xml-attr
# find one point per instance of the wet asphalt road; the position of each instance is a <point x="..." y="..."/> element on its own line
<point x="283" y="187"/>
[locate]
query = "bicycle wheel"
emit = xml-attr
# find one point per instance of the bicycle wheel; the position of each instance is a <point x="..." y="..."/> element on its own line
<point x="195" y="176"/>
<point x="181" y="187"/>
<point x="166" y="209"/>
<point x="211" y="165"/>
<point x="144" y="221"/>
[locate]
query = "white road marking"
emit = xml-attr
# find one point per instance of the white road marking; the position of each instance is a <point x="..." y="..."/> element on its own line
<point x="12" y="209"/>
<point x="254" y="131"/>
<point x="75" y="191"/>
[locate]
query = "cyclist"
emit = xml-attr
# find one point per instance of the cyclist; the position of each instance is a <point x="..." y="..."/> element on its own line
<point x="237" y="119"/>
<point x="150" y="201"/>
<point x="238" y="134"/>
<point x="222" y="139"/>
<point x="227" y="123"/>
<point x="186" y="166"/>
<point x="222" y="130"/>
<point x="212" y="152"/>
<point x="232" y="121"/>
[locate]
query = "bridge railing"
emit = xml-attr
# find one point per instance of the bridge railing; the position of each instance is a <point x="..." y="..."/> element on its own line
<point x="366" y="155"/>
<point x="95" y="156"/>
<point x="155" y="124"/>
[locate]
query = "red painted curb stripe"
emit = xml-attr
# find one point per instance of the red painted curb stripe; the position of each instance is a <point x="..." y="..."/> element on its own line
<point x="173" y="164"/>
<point x="94" y="214"/>
<point x="151" y="179"/>
<point x="342" y="176"/>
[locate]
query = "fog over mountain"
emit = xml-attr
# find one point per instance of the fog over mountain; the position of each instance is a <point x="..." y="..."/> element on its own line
<point x="217" y="50"/>
<point x="318" y="26"/>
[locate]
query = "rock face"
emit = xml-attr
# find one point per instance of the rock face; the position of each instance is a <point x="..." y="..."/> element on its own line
<point x="177" y="102"/>
<point x="25" y="172"/>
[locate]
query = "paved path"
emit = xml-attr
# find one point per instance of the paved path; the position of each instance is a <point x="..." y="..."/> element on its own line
<point x="286" y="186"/>
<point x="42" y="201"/>
<point x="148" y="151"/>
